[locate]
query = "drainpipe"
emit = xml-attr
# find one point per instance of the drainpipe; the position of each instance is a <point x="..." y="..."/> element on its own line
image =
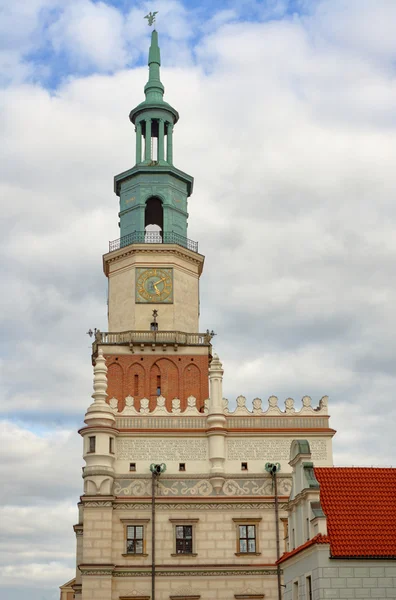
<point x="272" y="469"/>
<point x="156" y="471"/>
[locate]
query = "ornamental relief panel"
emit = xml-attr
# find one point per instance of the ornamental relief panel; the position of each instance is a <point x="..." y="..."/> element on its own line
<point x="202" y="487"/>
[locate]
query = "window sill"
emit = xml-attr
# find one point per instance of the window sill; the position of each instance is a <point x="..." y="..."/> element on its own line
<point x="247" y="554"/>
<point x="132" y="555"/>
<point x="184" y="554"/>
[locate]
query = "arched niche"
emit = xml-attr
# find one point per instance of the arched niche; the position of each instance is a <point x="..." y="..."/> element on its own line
<point x="153" y="220"/>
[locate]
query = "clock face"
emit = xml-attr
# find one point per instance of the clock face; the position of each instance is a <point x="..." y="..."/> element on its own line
<point x="154" y="285"/>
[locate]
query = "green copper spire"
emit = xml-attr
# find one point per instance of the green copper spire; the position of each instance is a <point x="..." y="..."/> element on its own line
<point x="154" y="191"/>
<point x="154" y="90"/>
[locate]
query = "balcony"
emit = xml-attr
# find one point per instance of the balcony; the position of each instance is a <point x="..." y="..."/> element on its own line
<point x="149" y="338"/>
<point x="153" y="237"/>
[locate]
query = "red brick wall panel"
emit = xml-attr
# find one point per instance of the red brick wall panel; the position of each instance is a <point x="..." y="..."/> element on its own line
<point x="181" y="376"/>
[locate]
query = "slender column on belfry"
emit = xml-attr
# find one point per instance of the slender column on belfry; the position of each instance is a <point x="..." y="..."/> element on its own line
<point x="147" y="149"/>
<point x="169" y="143"/>
<point x="216" y="419"/>
<point x="138" y="143"/>
<point x="161" y="125"/>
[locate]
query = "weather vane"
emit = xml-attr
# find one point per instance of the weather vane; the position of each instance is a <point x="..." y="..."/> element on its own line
<point x="151" y="18"/>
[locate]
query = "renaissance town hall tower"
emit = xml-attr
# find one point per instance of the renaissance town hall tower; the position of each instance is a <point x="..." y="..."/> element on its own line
<point x="177" y="500"/>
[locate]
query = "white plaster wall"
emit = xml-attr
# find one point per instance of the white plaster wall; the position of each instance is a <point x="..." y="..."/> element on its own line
<point x="337" y="578"/>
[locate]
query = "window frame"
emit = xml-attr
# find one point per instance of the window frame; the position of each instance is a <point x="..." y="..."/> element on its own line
<point x="184" y="523"/>
<point x="246" y="522"/>
<point x="135" y="523"/>
<point x="91" y="443"/>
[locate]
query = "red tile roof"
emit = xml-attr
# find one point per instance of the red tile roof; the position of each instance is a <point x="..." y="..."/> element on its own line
<point x="318" y="539"/>
<point x="360" y="506"/>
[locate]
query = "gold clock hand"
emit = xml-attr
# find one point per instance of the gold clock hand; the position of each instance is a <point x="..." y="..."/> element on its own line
<point x="160" y="281"/>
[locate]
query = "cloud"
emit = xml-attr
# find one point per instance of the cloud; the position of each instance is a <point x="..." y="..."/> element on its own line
<point x="288" y="128"/>
<point x="91" y="35"/>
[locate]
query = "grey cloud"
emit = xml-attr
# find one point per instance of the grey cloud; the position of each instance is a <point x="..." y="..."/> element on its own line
<point x="293" y="207"/>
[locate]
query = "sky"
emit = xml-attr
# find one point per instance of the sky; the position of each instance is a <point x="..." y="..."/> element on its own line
<point x="288" y="125"/>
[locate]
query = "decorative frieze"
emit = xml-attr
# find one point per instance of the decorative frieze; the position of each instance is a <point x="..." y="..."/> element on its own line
<point x="200" y="423"/>
<point x="261" y="486"/>
<point x="211" y="506"/>
<point x="191" y="573"/>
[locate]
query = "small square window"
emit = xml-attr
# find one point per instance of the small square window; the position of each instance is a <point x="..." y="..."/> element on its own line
<point x="247" y="536"/>
<point x="244" y="466"/>
<point x="132" y="466"/>
<point x="135" y="539"/>
<point x="92" y="443"/>
<point x="184" y="539"/>
<point x="182" y="466"/>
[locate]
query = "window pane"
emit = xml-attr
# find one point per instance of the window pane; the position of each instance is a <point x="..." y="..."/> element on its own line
<point x="252" y="545"/>
<point x="242" y="531"/>
<point x="139" y="533"/>
<point x="139" y="546"/>
<point x="131" y="547"/>
<point x="130" y="532"/>
<point x="188" y="531"/>
<point x="242" y="546"/>
<point x="251" y="531"/>
<point x="188" y="546"/>
<point x="179" y="546"/>
<point x="179" y="532"/>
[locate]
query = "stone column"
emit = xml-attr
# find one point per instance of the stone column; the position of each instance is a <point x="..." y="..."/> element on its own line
<point x="147" y="149"/>
<point x="161" y="126"/>
<point x="216" y="425"/>
<point x="138" y="143"/>
<point x="169" y="143"/>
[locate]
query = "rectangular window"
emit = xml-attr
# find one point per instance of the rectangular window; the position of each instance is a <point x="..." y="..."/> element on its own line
<point x="182" y="466"/>
<point x="158" y="385"/>
<point x="136" y="386"/>
<point x="308" y="587"/>
<point x="247" y="538"/>
<point x="92" y="443"/>
<point x="244" y="466"/>
<point x="135" y="539"/>
<point x="132" y="466"/>
<point x="111" y="445"/>
<point x="184" y="539"/>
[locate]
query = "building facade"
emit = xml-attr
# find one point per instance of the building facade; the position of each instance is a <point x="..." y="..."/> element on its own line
<point x="342" y="531"/>
<point x="177" y="500"/>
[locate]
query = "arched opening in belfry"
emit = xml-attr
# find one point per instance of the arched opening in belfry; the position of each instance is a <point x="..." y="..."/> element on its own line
<point x="153" y="220"/>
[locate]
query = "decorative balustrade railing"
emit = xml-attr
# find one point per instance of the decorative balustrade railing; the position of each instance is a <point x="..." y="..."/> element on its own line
<point x="152" y="337"/>
<point x="153" y="237"/>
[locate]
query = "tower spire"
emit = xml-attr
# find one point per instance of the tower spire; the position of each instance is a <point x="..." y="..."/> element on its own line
<point x="154" y="90"/>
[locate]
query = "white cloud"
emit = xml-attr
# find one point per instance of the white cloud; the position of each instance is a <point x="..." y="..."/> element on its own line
<point x="290" y="137"/>
<point x="90" y="33"/>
